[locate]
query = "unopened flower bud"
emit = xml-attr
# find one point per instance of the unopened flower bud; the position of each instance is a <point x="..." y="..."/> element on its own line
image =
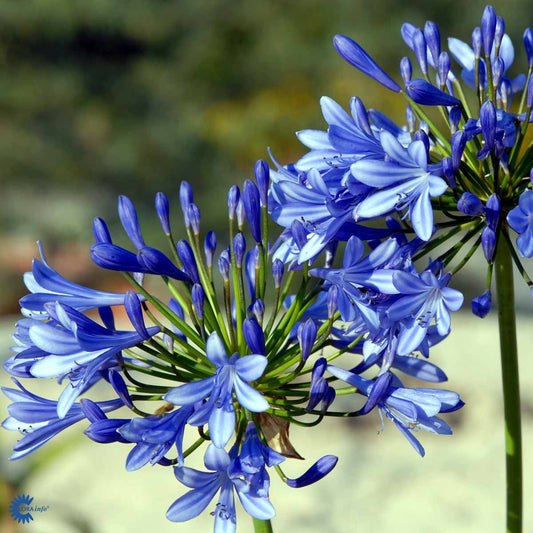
<point x="163" y="211"/>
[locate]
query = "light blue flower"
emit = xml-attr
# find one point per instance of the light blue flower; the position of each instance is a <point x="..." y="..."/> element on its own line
<point x="205" y="485"/>
<point x="410" y="409"/>
<point x="521" y="220"/>
<point x="407" y="180"/>
<point x="232" y="375"/>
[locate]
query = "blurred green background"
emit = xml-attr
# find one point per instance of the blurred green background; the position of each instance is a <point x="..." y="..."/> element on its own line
<point x="112" y="97"/>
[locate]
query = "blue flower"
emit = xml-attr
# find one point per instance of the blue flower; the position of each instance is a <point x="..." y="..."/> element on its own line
<point x="466" y="57"/>
<point x="521" y="220"/>
<point x="74" y="346"/>
<point x="424" y="298"/>
<point x="205" y="485"/>
<point x="410" y="409"/>
<point x="406" y="181"/>
<point x="356" y="56"/>
<point x="46" y="285"/>
<point x="155" y="435"/>
<point x="36" y="418"/>
<point x="232" y="374"/>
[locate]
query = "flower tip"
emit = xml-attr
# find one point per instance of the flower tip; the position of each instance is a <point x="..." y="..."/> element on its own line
<point x="319" y="470"/>
<point x="351" y="52"/>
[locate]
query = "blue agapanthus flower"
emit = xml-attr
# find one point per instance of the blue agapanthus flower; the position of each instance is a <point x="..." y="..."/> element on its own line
<point x="232" y="375"/>
<point x="410" y="409"/>
<point x="521" y="220"/>
<point x="224" y="477"/>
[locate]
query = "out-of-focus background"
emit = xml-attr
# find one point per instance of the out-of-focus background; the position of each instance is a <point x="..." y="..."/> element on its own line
<point x="129" y="97"/>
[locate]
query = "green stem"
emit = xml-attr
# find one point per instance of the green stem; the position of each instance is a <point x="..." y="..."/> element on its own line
<point x="511" y="388"/>
<point x="262" y="526"/>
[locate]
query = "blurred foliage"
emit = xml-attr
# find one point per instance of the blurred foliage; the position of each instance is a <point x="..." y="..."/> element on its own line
<point x="113" y="97"/>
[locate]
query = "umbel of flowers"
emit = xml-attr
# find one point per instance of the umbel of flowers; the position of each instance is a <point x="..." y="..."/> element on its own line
<point x="266" y="331"/>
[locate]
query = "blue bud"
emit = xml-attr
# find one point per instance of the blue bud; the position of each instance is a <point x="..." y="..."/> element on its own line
<point x="444" y="68"/>
<point x="163" y="211"/>
<point x="531" y="176"/>
<point x="422" y="92"/>
<point x="330" y="252"/>
<point x="223" y="264"/>
<point x="470" y="204"/>
<point x="506" y="92"/>
<point x="420" y="50"/>
<point x="239" y="248"/>
<point x="481" y="305"/>
<point x="112" y="257"/>
<point x="101" y="233"/>
<point x="332" y="299"/>
<point x="133" y="308"/>
<point x="488" y="243"/>
<point x="410" y="117"/>
<point x="360" y="115"/>
<point x="529" y="97"/>
<point x="499" y="31"/>
<point x="421" y="135"/>
<point x="278" y="269"/>
<point x="198" y="299"/>
<point x="351" y="52"/>
<point x="488" y="29"/>
<point x="306" y="337"/>
<point x="156" y="262"/>
<point x="234" y="195"/>
<point x="186" y="197"/>
<point x="498" y="69"/>
<point x="241" y="215"/>
<point x="186" y="256"/>
<point x="458" y="146"/>
<point x="262" y="177"/>
<point x="176" y="308"/>
<point x="210" y="245"/>
<point x="406" y="69"/>
<point x="432" y="35"/>
<point x="448" y="171"/>
<point x="477" y="42"/>
<point x="119" y="386"/>
<point x="251" y="262"/>
<point x="455" y="118"/>
<point x="254" y="336"/>
<point x="487" y="119"/>
<point x="320" y="469"/>
<point x="194" y="218"/>
<point x="250" y="198"/>
<point x="258" y="310"/>
<point x="528" y="44"/>
<point x="492" y="211"/>
<point x="130" y="223"/>
<point x="299" y="233"/>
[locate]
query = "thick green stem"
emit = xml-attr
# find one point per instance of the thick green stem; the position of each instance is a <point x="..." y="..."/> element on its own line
<point x="511" y="386"/>
<point x="262" y="526"/>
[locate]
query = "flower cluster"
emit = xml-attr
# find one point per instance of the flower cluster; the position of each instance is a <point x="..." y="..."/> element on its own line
<point x="259" y="336"/>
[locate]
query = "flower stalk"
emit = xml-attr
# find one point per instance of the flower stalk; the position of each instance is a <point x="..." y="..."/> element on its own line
<point x="511" y="385"/>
